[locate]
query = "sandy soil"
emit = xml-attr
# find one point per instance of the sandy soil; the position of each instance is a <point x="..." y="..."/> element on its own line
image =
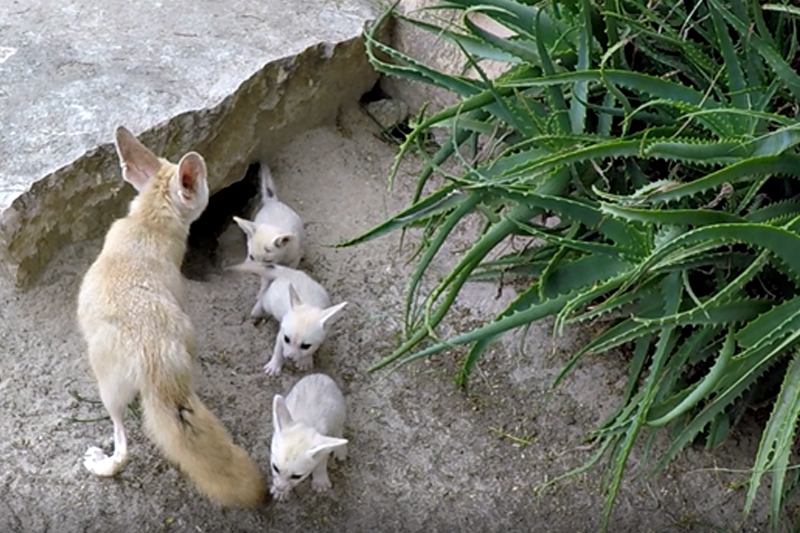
<point x="423" y="455"/>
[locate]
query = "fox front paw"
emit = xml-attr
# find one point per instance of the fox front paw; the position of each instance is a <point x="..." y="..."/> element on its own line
<point x="272" y="369"/>
<point x="321" y="484"/>
<point x="340" y="453"/>
<point x="100" y="464"/>
<point x="304" y="364"/>
<point x="279" y="495"/>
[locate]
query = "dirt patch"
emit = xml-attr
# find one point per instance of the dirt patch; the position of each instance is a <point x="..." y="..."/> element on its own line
<point x="423" y="456"/>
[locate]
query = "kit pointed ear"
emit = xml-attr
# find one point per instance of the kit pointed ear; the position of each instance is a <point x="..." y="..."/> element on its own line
<point x="139" y="164"/>
<point x="281" y="240"/>
<point x="281" y="417"/>
<point x="191" y="179"/>
<point x="248" y="227"/>
<point x="323" y="445"/>
<point x="331" y="314"/>
<point x="294" y="298"/>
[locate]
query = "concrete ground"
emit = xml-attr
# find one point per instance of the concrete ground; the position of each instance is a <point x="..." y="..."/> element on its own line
<point x="423" y="455"/>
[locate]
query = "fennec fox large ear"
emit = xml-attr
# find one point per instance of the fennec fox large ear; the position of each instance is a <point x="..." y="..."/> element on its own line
<point x="281" y="240"/>
<point x="294" y="298"/>
<point x="139" y="164"/>
<point x="324" y="444"/>
<point x="249" y="228"/>
<point x="280" y="414"/>
<point x="330" y="314"/>
<point x="191" y="179"/>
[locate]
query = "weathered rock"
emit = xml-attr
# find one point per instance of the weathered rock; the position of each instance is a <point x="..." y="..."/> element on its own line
<point x="179" y="76"/>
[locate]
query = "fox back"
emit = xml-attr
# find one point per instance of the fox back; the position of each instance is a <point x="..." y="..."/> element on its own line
<point x="277" y="298"/>
<point x="141" y="256"/>
<point x="277" y="233"/>
<point x="307" y="426"/>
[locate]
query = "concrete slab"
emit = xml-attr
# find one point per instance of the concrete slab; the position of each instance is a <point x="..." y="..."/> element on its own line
<point x="233" y="80"/>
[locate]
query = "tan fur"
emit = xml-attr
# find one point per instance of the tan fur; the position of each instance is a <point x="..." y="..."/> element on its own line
<point x="130" y="311"/>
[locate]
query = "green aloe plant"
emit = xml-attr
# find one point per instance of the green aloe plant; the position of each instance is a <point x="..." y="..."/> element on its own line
<point x="664" y="137"/>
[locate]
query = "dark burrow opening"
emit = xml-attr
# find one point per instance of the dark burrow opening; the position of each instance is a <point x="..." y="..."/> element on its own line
<point x="239" y="199"/>
<point x="393" y="132"/>
<point x="203" y="257"/>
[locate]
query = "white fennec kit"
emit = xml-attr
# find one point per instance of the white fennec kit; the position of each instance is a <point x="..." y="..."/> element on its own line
<point x="307" y="427"/>
<point x="303" y="308"/>
<point x="275" y="235"/>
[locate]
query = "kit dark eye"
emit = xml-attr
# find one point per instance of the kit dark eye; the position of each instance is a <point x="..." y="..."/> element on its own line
<point x="305" y="346"/>
<point x="251" y="258"/>
<point x="286" y="339"/>
<point x="296" y="476"/>
<point x="275" y="469"/>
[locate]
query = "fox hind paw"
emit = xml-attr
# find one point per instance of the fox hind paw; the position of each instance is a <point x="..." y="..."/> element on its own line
<point x="100" y="464"/>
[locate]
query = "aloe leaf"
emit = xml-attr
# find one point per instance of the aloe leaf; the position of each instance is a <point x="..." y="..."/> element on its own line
<point x="779" y="241"/>
<point x="747" y="374"/>
<point x="514" y="15"/>
<point x="792" y="10"/>
<point x="577" y="111"/>
<point x="622" y="235"/>
<point x="493" y="329"/>
<point x="519" y="50"/>
<point x="779" y="66"/>
<point x="641" y="350"/>
<point x="458" y="276"/>
<point x="776" y="211"/>
<point x="562" y="280"/>
<point x="555" y="95"/>
<point x="464" y="207"/>
<point x="672" y="300"/>
<point x="704" y="387"/>
<point x="437" y="203"/>
<point x="723" y="260"/>
<point x="688" y="151"/>
<point x="633" y="301"/>
<point x="442" y="154"/>
<point x="768" y="323"/>
<point x="651" y="85"/>
<point x="671" y="217"/>
<point x="575" y="244"/>
<point x="739" y="98"/>
<point x="696" y="346"/>
<point x="630" y="329"/>
<point x="776" y="442"/>
<point x="408" y="67"/>
<point x="576" y="274"/>
<point x="480" y="46"/>
<point x="587" y="296"/>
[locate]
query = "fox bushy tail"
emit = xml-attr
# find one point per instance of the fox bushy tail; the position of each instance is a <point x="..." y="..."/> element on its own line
<point x="268" y="271"/>
<point x="268" y="193"/>
<point x="192" y="437"/>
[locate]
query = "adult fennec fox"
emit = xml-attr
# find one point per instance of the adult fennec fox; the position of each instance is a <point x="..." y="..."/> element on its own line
<point x="140" y="340"/>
